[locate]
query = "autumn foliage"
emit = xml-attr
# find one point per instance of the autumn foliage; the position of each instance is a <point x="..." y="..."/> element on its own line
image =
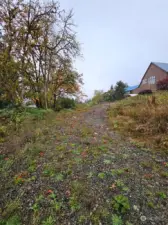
<point x="162" y="84"/>
<point x="38" y="46"/>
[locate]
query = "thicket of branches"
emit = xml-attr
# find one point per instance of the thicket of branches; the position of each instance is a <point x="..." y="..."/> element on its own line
<point x="37" y="47"/>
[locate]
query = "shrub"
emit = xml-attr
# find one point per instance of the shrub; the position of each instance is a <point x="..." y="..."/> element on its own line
<point x="4" y="104"/>
<point x="65" y="103"/>
<point x="162" y="84"/>
<point x="145" y="92"/>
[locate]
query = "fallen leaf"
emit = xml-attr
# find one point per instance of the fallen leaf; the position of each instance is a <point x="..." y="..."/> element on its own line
<point x="113" y="186"/>
<point x="84" y="154"/>
<point x="6" y="158"/>
<point x="49" y="192"/>
<point x="68" y="193"/>
<point x="41" y="154"/>
<point x="148" y="175"/>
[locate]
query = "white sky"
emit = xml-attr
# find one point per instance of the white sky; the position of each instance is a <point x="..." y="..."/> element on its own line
<point x="119" y="39"/>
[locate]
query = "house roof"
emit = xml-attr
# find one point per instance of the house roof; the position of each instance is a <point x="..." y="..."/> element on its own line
<point x="131" y="88"/>
<point x="163" y="66"/>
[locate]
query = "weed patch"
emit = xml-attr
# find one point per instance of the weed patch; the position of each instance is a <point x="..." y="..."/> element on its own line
<point x="145" y="123"/>
<point x="120" y="203"/>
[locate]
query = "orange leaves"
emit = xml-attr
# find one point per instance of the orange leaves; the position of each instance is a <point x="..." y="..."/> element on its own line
<point x="19" y="179"/>
<point x="6" y="158"/>
<point x="84" y="154"/>
<point x="148" y="176"/>
<point x="41" y="154"/>
<point x="48" y="192"/>
<point x="165" y="164"/>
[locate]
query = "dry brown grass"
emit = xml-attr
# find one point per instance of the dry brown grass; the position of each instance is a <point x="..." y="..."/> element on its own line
<point x="144" y="118"/>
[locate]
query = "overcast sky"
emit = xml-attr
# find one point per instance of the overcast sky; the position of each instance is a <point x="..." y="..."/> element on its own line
<point x="119" y="39"/>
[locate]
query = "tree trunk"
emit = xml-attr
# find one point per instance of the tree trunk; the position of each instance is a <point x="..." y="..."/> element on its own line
<point x="54" y="101"/>
<point x="45" y="95"/>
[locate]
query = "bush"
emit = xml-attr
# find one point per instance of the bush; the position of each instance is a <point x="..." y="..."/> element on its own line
<point x="145" y="92"/>
<point x="65" y="103"/>
<point x="162" y="84"/>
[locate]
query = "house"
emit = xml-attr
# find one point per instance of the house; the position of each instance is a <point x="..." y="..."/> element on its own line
<point x="154" y="73"/>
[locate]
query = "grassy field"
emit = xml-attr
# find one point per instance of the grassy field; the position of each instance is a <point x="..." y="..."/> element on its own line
<point x="144" y="119"/>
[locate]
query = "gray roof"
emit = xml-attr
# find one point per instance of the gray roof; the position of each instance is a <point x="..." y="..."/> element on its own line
<point x="163" y="66"/>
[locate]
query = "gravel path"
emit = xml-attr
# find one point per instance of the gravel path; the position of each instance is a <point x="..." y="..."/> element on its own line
<point x="145" y="178"/>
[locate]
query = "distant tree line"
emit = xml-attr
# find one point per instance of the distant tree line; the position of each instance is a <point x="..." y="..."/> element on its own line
<point x="37" y="47"/>
<point x="114" y="93"/>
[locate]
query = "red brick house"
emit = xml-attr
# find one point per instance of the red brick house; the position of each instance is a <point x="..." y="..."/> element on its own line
<point x="154" y="73"/>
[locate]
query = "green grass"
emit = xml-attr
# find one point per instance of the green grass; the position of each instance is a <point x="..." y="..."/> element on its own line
<point x="14" y="220"/>
<point x="13" y="120"/>
<point x="15" y="113"/>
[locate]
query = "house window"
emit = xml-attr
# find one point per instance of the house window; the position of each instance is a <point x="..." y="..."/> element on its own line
<point x="154" y="79"/>
<point x="144" y="81"/>
<point x="151" y="80"/>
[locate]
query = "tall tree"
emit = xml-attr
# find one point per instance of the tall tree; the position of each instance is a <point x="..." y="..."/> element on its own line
<point x="98" y="96"/>
<point x="41" y="40"/>
<point x="119" y="90"/>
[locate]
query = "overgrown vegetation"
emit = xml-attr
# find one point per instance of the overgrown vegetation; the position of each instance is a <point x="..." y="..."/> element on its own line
<point x="65" y="103"/>
<point x="143" y="118"/>
<point x="115" y="93"/>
